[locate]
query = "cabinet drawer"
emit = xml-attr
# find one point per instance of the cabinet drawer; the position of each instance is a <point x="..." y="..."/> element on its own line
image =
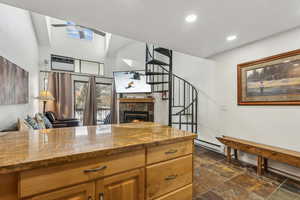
<point x="79" y="192"/>
<point x="168" y="176"/>
<point x="185" y="193"/>
<point x="41" y="180"/>
<point x="169" y="151"/>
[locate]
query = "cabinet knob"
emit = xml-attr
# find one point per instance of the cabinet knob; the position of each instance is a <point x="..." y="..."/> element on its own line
<point x="95" y="169"/>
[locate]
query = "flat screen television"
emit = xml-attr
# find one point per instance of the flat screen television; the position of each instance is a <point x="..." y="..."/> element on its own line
<point x="131" y="82"/>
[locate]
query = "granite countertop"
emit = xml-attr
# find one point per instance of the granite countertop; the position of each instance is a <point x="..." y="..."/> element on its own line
<point x="27" y="150"/>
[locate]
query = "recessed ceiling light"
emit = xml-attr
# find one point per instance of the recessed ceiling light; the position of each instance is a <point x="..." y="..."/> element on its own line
<point x="286" y="61"/>
<point x="231" y="38"/>
<point x="191" y="18"/>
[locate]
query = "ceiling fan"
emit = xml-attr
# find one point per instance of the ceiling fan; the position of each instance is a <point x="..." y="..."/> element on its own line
<point x="81" y="31"/>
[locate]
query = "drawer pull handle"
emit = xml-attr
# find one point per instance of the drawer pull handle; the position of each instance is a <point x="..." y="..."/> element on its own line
<point x="95" y="169"/>
<point x="171" y="151"/>
<point x="171" y="177"/>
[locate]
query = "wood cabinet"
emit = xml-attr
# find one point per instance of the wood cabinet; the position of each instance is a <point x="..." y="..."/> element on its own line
<point x="154" y="172"/>
<point x="126" y="186"/>
<point x="170" y="151"/>
<point x="79" y="192"/>
<point x="168" y="176"/>
<point x="185" y="193"/>
<point x="37" y="181"/>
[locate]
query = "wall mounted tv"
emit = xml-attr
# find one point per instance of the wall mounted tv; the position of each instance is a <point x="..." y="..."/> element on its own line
<point x="131" y="82"/>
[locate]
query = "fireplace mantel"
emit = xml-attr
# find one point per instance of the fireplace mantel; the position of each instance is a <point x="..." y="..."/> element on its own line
<point x="136" y="100"/>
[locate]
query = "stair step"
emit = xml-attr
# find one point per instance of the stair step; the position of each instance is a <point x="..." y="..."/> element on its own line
<point x="163" y="51"/>
<point x="157" y="83"/>
<point x="156" y="73"/>
<point x="156" y="62"/>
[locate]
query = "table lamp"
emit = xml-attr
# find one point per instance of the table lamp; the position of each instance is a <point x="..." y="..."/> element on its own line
<point x="45" y="96"/>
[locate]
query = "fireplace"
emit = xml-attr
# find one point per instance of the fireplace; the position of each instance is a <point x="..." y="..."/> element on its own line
<point x="133" y="116"/>
<point x="136" y="110"/>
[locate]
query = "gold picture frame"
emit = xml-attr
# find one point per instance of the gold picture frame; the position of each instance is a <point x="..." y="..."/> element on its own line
<point x="273" y="80"/>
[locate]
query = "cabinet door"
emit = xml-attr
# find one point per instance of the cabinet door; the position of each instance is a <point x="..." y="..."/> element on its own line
<point x="126" y="186"/>
<point x="79" y="192"/>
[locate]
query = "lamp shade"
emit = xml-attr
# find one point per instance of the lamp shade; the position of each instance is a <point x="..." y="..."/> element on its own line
<point x="45" y="96"/>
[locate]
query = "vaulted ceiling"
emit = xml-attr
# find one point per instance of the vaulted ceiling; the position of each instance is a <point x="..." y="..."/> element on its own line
<point x="163" y="21"/>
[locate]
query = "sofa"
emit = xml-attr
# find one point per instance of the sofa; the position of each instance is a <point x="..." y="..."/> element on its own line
<point x="45" y="121"/>
<point x="59" y="123"/>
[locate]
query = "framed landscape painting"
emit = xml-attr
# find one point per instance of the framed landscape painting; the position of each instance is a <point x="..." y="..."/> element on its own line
<point x="270" y="81"/>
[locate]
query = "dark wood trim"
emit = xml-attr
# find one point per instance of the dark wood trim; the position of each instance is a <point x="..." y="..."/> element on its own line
<point x="136" y="100"/>
<point x="74" y="99"/>
<point x="260" y="61"/>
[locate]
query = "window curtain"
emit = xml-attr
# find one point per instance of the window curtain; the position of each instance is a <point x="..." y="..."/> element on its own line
<point x="114" y="110"/>
<point x="90" y="109"/>
<point x="60" y="86"/>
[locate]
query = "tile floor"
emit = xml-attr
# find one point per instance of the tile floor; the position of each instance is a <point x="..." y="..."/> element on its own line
<point x="215" y="179"/>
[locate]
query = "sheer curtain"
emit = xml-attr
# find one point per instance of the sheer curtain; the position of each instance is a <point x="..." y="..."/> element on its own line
<point x="60" y="86"/>
<point x="90" y="109"/>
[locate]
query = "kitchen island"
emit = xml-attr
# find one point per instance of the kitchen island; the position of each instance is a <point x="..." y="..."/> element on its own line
<point x="139" y="161"/>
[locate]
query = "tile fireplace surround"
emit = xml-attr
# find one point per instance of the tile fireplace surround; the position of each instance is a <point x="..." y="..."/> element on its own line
<point x="136" y="108"/>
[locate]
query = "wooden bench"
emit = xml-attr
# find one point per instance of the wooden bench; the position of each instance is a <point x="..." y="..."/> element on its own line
<point x="263" y="152"/>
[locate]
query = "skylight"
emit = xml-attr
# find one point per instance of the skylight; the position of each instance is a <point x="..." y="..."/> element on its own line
<point x="74" y="31"/>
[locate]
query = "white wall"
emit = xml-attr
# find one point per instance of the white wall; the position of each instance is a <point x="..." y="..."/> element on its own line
<point x="200" y="72"/>
<point x="62" y="44"/>
<point x="133" y="51"/>
<point x="273" y="125"/>
<point x="19" y="45"/>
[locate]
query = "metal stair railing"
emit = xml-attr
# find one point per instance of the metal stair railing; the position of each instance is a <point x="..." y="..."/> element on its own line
<point x="182" y="95"/>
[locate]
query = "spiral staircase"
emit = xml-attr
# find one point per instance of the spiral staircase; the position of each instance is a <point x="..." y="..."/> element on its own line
<point x="181" y="95"/>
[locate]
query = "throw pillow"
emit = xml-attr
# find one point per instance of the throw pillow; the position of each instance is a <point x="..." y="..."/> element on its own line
<point x="47" y="122"/>
<point x="23" y="125"/>
<point x="32" y="122"/>
<point x="40" y="121"/>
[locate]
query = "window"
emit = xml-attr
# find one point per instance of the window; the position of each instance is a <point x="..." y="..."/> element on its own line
<point x="74" y="31"/>
<point x="63" y="63"/>
<point x="103" y="98"/>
